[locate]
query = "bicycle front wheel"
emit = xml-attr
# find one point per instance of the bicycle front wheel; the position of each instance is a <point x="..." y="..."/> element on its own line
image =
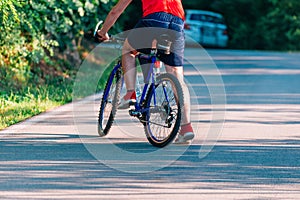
<point x="109" y="102"/>
<point x="165" y="103"/>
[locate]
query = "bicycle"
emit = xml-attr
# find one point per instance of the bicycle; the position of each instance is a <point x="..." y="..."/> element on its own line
<point x="159" y="107"/>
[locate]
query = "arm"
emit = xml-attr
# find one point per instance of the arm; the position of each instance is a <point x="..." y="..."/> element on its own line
<point x="112" y="17"/>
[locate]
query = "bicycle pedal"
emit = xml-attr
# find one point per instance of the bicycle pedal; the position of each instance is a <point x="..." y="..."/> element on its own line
<point x="134" y="113"/>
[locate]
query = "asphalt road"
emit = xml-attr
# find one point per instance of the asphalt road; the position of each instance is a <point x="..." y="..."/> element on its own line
<point x="246" y="112"/>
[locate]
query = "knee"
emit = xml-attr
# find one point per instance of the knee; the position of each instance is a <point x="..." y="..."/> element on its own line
<point x="128" y="49"/>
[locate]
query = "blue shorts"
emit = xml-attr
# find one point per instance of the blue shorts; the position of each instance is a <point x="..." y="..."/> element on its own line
<point x="154" y="25"/>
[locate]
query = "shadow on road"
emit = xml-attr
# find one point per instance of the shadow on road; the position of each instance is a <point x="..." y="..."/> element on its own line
<point x="44" y="163"/>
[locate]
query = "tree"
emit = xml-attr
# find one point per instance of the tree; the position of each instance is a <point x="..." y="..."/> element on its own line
<point x="32" y="31"/>
<point x="281" y="25"/>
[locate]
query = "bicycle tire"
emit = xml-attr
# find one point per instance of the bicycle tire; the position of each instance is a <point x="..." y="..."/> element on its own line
<point x="109" y="106"/>
<point x="164" y="115"/>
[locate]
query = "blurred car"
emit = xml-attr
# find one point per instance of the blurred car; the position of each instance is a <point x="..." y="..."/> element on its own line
<point x="205" y="27"/>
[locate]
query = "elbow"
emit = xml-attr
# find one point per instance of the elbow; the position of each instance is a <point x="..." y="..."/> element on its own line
<point x="118" y="9"/>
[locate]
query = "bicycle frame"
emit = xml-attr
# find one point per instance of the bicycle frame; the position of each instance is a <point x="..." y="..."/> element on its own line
<point x="158" y="106"/>
<point x="112" y="74"/>
<point x="139" y="107"/>
<point x="151" y="57"/>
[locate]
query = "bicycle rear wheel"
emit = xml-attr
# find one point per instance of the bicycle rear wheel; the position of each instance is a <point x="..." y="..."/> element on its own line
<point x="162" y="121"/>
<point x="109" y="102"/>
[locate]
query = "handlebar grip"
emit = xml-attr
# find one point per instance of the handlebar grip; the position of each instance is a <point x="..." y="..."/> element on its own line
<point x="97" y="40"/>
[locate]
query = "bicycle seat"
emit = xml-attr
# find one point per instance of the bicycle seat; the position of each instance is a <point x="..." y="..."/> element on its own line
<point x="164" y="44"/>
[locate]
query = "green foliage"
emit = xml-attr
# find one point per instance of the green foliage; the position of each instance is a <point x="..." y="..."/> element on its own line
<point x="282" y="23"/>
<point x="264" y="25"/>
<point x="40" y="46"/>
<point x="31" y="30"/>
<point x="41" y="41"/>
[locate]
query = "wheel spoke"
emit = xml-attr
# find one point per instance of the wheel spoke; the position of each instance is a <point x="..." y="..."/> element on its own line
<point x="163" y="119"/>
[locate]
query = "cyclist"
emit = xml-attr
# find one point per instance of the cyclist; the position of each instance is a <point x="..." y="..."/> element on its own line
<point x="165" y="14"/>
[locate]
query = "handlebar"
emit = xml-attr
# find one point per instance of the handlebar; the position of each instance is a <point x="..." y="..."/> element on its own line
<point x="111" y="38"/>
<point x="97" y="27"/>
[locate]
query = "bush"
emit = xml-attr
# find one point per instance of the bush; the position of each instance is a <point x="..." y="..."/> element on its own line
<point x="35" y="31"/>
<point x="40" y="46"/>
<point x="262" y="25"/>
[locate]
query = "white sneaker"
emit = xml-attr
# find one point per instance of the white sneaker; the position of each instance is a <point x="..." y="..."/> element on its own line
<point x="125" y="104"/>
<point x="184" y="139"/>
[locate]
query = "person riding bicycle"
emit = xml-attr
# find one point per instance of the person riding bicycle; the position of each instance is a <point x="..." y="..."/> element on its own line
<point x="164" y="14"/>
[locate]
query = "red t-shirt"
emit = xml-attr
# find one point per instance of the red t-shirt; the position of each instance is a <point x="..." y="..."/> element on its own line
<point x="173" y="7"/>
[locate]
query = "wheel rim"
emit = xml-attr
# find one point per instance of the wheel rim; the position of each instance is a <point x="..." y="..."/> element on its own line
<point x="162" y="118"/>
<point x="108" y="108"/>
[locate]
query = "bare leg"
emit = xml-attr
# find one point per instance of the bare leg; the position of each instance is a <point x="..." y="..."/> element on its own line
<point x="178" y="72"/>
<point x="128" y="66"/>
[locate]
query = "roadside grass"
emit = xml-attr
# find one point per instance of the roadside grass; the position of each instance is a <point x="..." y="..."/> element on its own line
<point x="17" y="112"/>
<point x="50" y="86"/>
<point x="16" y="107"/>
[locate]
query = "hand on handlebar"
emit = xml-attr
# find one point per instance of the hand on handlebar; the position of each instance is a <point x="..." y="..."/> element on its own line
<point x="101" y="36"/>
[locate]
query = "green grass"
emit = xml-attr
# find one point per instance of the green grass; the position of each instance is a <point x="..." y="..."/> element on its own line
<point x="12" y="112"/>
<point x="50" y="85"/>
<point x="16" y="107"/>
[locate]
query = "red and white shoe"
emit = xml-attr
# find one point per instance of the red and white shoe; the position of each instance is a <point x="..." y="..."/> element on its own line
<point x="185" y="138"/>
<point x="186" y="134"/>
<point x="128" y="100"/>
<point x="125" y="104"/>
